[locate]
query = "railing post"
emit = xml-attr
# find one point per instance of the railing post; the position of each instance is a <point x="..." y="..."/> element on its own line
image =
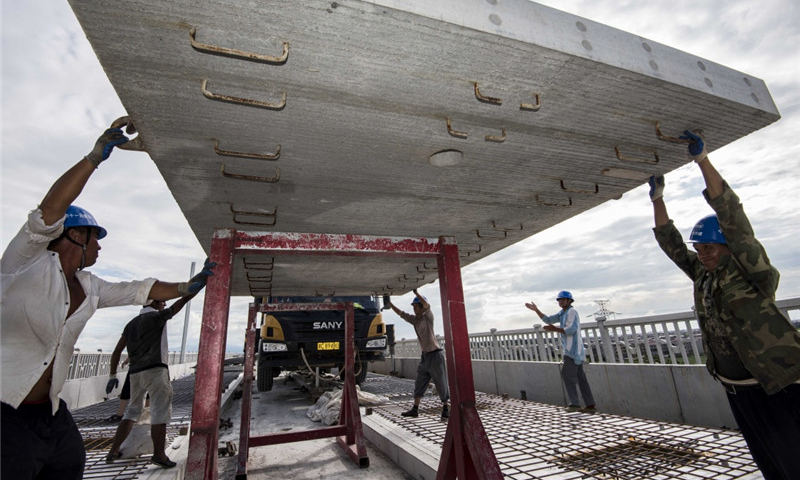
<point x="495" y="346"/>
<point x="540" y="347"/>
<point x="608" y="350"/>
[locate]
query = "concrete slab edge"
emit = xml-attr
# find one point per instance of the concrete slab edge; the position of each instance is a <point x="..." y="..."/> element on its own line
<point x="416" y="456"/>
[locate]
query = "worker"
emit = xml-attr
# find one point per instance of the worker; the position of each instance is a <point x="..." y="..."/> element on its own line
<point x="47" y="298"/>
<point x="432" y="364"/>
<point x="751" y="347"/>
<point x="145" y="337"/>
<point x="572" y="371"/>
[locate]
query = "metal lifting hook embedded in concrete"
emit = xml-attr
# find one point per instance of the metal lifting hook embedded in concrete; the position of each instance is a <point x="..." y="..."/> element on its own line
<point x="242" y="101"/>
<point x="260" y="265"/>
<point x="497" y="139"/>
<point x="578" y="190"/>
<point x="230" y="52"/>
<point x="484" y="98"/>
<point x="270" y="215"/>
<point x="625" y="158"/>
<point x="532" y="106"/>
<point x="258" y="156"/>
<point x="252" y="177"/>
<point x="667" y="138"/>
<point x="547" y="204"/>
<point x="454" y="133"/>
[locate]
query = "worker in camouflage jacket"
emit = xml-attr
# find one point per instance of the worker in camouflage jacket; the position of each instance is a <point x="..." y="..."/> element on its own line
<point x="751" y="347"/>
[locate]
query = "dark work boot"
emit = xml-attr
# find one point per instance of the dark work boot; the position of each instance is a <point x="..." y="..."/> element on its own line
<point x="414" y="412"/>
<point x="445" y="411"/>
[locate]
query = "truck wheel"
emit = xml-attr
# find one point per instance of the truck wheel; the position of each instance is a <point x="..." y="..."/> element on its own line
<point x="362" y="373"/>
<point x="264" y="378"/>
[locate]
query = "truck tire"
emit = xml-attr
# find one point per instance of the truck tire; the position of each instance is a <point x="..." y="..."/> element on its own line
<point x="362" y="373"/>
<point x="264" y="378"/>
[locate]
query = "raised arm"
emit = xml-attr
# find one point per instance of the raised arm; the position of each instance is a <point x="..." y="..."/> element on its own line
<point x="67" y="188"/>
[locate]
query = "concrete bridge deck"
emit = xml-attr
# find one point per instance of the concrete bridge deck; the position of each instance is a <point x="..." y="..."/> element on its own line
<point x="531" y="440"/>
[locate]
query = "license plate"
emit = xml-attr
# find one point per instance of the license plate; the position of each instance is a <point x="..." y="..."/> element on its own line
<point x="328" y="346"/>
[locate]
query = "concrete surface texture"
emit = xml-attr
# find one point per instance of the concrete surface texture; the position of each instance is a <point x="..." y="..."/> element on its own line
<point x="284" y="409"/>
<point x="483" y="121"/>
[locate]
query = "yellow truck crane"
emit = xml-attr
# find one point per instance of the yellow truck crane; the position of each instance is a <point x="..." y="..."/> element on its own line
<point x="292" y="340"/>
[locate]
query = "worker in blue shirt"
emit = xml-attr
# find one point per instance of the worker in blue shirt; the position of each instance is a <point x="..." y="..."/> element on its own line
<point x="572" y="372"/>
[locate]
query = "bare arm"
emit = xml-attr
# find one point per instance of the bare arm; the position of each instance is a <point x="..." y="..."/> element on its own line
<point x="117" y="354"/>
<point x="179" y="304"/>
<point x="65" y="190"/>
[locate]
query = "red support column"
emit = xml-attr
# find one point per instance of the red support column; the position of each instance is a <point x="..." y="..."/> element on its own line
<point x="349" y="415"/>
<point x="466" y="453"/>
<point x="247" y="390"/>
<point x="202" y="459"/>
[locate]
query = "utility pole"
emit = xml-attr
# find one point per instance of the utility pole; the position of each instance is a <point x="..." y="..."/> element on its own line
<point x="186" y="321"/>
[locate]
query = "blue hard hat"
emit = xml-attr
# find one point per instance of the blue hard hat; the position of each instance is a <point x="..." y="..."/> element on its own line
<point x="417" y="300"/>
<point x="707" y="231"/>
<point x="78" y="217"/>
<point x="564" y="294"/>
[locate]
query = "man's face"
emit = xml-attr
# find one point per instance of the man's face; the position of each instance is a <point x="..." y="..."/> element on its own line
<point x="92" y="243"/>
<point x="159" y="304"/>
<point x="710" y="253"/>
<point x="563" y="302"/>
<point x="417" y="307"/>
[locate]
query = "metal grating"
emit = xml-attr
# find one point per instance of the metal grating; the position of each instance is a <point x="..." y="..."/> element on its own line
<point x="538" y="441"/>
<point x="99" y="434"/>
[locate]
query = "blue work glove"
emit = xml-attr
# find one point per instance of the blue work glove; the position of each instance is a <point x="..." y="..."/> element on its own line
<point x="112" y="383"/>
<point x="107" y="141"/>
<point x="656" y="187"/>
<point x="198" y="282"/>
<point x="697" y="147"/>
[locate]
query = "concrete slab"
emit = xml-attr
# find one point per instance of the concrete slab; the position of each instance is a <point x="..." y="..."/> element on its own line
<point x="485" y="121"/>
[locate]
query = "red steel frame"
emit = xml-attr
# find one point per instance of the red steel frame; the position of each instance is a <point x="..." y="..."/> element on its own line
<point x="466" y="453"/>
<point x="349" y="433"/>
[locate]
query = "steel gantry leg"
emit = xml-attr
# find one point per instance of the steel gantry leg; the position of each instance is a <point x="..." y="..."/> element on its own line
<point x="466" y="454"/>
<point x="202" y="459"/>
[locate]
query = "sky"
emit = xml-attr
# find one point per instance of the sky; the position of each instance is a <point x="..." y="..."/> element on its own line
<point x="56" y="100"/>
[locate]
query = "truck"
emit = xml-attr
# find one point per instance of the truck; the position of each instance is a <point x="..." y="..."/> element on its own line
<point x="314" y="339"/>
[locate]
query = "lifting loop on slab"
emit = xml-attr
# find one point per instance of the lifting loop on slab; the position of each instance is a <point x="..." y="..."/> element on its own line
<point x="667" y="138"/>
<point x="463" y="252"/>
<point x="426" y="268"/>
<point x="504" y="232"/>
<point x="484" y="98"/>
<point x="230" y="52"/>
<point x="500" y="139"/>
<point x="134" y="144"/>
<point x="405" y="277"/>
<point x="252" y="177"/>
<point x="626" y="158"/>
<point x="259" y="279"/>
<point x="260" y="292"/>
<point x="242" y="101"/>
<point x="578" y="190"/>
<point x="548" y="204"/>
<point x="532" y="106"/>
<point x="259" y="265"/>
<point x="273" y="216"/>
<point x="454" y="133"/>
<point x="504" y="229"/>
<point x="258" y="156"/>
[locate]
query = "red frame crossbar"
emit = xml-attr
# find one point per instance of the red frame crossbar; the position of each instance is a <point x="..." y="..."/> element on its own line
<point x="466" y="453"/>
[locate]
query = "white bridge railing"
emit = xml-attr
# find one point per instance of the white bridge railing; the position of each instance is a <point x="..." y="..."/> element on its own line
<point x="659" y="339"/>
<point x="85" y="365"/>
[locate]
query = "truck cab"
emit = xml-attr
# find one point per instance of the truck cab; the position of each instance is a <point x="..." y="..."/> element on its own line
<point x="293" y="340"/>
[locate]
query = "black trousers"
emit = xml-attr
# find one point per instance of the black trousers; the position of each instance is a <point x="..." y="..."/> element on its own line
<point x="770" y="425"/>
<point x="39" y="445"/>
